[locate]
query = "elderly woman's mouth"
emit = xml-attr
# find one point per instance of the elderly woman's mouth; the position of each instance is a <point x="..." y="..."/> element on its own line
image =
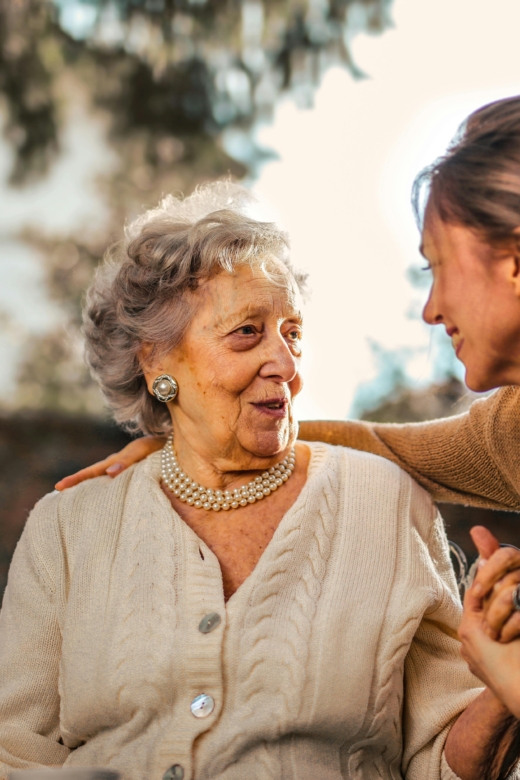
<point x="274" y="407"/>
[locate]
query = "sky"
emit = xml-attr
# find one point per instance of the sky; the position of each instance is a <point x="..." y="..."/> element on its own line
<point x="343" y="179"/>
<point x="340" y="184"/>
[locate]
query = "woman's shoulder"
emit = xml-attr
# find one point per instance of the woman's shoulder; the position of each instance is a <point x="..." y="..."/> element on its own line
<point x="357" y="462"/>
<point x="86" y="517"/>
<point x="376" y="482"/>
<point x="92" y="501"/>
<point x="92" y="492"/>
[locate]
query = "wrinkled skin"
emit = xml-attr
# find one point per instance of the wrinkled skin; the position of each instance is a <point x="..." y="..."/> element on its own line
<point x="240" y="352"/>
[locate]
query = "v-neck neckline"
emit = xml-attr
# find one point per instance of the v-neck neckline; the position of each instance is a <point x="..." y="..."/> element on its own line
<point x="282" y="528"/>
<point x="279" y="531"/>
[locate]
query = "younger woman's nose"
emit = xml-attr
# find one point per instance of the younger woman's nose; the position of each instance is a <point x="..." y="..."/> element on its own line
<point x="431" y="313"/>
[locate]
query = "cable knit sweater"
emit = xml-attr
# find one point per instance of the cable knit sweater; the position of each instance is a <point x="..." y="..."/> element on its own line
<point x="336" y="658"/>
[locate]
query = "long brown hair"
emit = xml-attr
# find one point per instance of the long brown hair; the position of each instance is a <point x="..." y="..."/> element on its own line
<point x="477" y="182"/>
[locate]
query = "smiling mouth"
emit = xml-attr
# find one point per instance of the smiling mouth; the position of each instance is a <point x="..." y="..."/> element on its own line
<point x="276" y="407"/>
<point x="457" y="343"/>
<point x="457" y="346"/>
<point x="456" y="340"/>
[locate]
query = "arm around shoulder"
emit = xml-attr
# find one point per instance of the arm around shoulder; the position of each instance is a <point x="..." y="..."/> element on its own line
<point x="470" y="458"/>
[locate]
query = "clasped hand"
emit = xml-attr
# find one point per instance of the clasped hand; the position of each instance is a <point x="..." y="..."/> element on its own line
<point x="490" y="622"/>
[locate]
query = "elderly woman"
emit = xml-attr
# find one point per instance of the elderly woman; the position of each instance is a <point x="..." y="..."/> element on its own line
<point x="240" y="604"/>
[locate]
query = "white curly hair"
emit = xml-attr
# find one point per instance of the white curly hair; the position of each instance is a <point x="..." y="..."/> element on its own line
<point x="140" y="294"/>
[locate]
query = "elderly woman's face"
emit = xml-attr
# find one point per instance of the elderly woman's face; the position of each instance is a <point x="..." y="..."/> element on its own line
<point x="238" y="368"/>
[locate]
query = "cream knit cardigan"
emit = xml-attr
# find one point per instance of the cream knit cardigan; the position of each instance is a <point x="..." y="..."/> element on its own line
<point x="337" y="658"/>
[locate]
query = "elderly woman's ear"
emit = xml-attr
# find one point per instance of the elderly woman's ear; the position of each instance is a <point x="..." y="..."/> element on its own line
<point x="159" y="381"/>
<point x="165" y="388"/>
<point x="148" y="363"/>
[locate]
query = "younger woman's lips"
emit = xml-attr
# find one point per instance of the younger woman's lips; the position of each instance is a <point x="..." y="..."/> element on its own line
<point x="459" y="347"/>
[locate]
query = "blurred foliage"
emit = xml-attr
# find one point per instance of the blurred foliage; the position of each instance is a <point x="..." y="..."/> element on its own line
<point x="407" y="404"/>
<point x="27" y="68"/>
<point x="395" y="394"/>
<point x="180" y="67"/>
<point x="167" y="79"/>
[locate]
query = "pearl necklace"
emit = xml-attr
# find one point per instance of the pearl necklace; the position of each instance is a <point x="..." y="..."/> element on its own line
<point x="206" y="498"/>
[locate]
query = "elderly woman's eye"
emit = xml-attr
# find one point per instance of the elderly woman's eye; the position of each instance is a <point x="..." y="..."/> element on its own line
<point x="246" y="330"/>
<point x="294" y="335"/>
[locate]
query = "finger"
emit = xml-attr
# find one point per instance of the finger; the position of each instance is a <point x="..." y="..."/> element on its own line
<point x="485" y="542"/>
<point x="511" y="630"/>
<point x="494" y="608"/>
<point x="139" y="449"/>
<point x="96" y="470"/>
<point x="473" y="603"/>
<point x="116" y="463"/>
<point x="499" y="564"/>
<point x="472" y="616"/>
<point x="509" y="582"/>
<point x="511" y="578"/>
<point x="499" y="610"/>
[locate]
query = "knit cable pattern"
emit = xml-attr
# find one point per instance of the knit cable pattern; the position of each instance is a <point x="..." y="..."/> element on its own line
<point x="282" y="607"/>
<point x="148" y="604"/>
<point x="391" y="675"/>
<point x="389" y="699"/>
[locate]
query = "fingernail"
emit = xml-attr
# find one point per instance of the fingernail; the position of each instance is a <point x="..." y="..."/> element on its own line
<point x="482" y="563"/>
<point x="114" y="469"/>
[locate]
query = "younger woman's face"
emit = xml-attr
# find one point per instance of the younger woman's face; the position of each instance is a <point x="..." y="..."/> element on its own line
<point x="475" y="294"/>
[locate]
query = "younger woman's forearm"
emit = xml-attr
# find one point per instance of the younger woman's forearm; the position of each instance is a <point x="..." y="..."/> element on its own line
<point x="484" y="742"/>
<point x="452" y="458"/>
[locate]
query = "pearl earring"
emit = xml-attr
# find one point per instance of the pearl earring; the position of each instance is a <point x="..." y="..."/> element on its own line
<point x="165" y="388"/>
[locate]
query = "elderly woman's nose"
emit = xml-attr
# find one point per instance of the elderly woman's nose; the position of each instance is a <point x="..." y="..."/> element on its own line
<point x="279" y="361"/>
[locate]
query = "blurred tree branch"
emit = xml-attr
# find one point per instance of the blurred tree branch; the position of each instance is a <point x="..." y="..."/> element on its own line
<point x="26" y="30"/>
<point x="165" y="78"/>
<point x="178" y="67"/>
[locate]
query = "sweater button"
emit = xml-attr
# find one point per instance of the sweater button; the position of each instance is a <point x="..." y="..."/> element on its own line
<point x="175" y="772"/>
<point x="202" y="706"/>
<point x="209" y="622"/>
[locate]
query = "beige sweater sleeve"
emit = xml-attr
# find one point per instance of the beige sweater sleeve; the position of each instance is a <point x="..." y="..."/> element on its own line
<point x="30" y="643"/>
<point x="473" y="458"/>
<point x="438" y="685"/>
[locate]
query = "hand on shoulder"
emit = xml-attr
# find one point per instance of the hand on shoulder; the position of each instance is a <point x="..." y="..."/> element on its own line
<point x="116" y="463"/>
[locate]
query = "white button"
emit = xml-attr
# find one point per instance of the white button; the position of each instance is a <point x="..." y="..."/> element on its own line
<point x="202" y="706"/>
<point x="175" y="772"/>
<point x="209" y="622"/>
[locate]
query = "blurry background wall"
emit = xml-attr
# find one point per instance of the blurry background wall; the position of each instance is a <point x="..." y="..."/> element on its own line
<point x="326" y="107"/>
